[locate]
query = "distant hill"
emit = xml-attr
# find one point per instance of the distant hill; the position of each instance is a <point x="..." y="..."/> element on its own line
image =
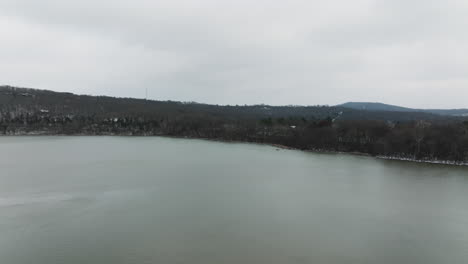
<point x="367" y="106"/>
<point x="376" y="107"/>
<point x="17" y="101"/>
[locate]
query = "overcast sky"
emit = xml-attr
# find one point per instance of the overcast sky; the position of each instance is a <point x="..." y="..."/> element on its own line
<point x="407" y="52"/>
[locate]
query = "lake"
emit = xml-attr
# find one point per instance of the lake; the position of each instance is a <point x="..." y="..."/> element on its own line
<point x="113" y="200"/>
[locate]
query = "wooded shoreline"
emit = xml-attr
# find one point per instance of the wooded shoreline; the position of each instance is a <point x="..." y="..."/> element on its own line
<point x="421" y="137"/>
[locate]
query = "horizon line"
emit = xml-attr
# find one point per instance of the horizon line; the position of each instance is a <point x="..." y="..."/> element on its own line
<point x="215" y="104"/>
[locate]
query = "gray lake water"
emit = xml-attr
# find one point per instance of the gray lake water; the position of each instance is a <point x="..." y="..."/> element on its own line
<point x="67" y="200"/>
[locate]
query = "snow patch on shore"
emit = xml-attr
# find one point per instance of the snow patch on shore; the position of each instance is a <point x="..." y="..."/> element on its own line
<point x="442" y="162"/>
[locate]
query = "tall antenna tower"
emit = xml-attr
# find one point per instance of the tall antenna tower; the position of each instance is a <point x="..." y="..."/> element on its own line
<point x="146" y="94"/>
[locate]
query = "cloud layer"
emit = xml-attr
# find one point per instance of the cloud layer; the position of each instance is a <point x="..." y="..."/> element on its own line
<point x="407" y="52"/>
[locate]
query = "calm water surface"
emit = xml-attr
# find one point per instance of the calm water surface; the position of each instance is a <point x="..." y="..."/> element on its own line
<point x="67" y="200"/>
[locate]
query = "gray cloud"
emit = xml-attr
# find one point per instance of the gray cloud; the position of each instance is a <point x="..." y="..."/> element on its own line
<point x="410" y="52"/>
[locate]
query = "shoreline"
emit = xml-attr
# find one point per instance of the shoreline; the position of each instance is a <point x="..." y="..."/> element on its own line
<point x="435" y="162"/>
<point x="279" y="146"/>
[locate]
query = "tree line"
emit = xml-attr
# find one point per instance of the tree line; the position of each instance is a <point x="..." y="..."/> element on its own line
<point x="405" y="135"/>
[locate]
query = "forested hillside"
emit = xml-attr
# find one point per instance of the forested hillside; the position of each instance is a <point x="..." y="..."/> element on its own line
<point x="416" y="135"/>
<point x="394" y="108"/>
